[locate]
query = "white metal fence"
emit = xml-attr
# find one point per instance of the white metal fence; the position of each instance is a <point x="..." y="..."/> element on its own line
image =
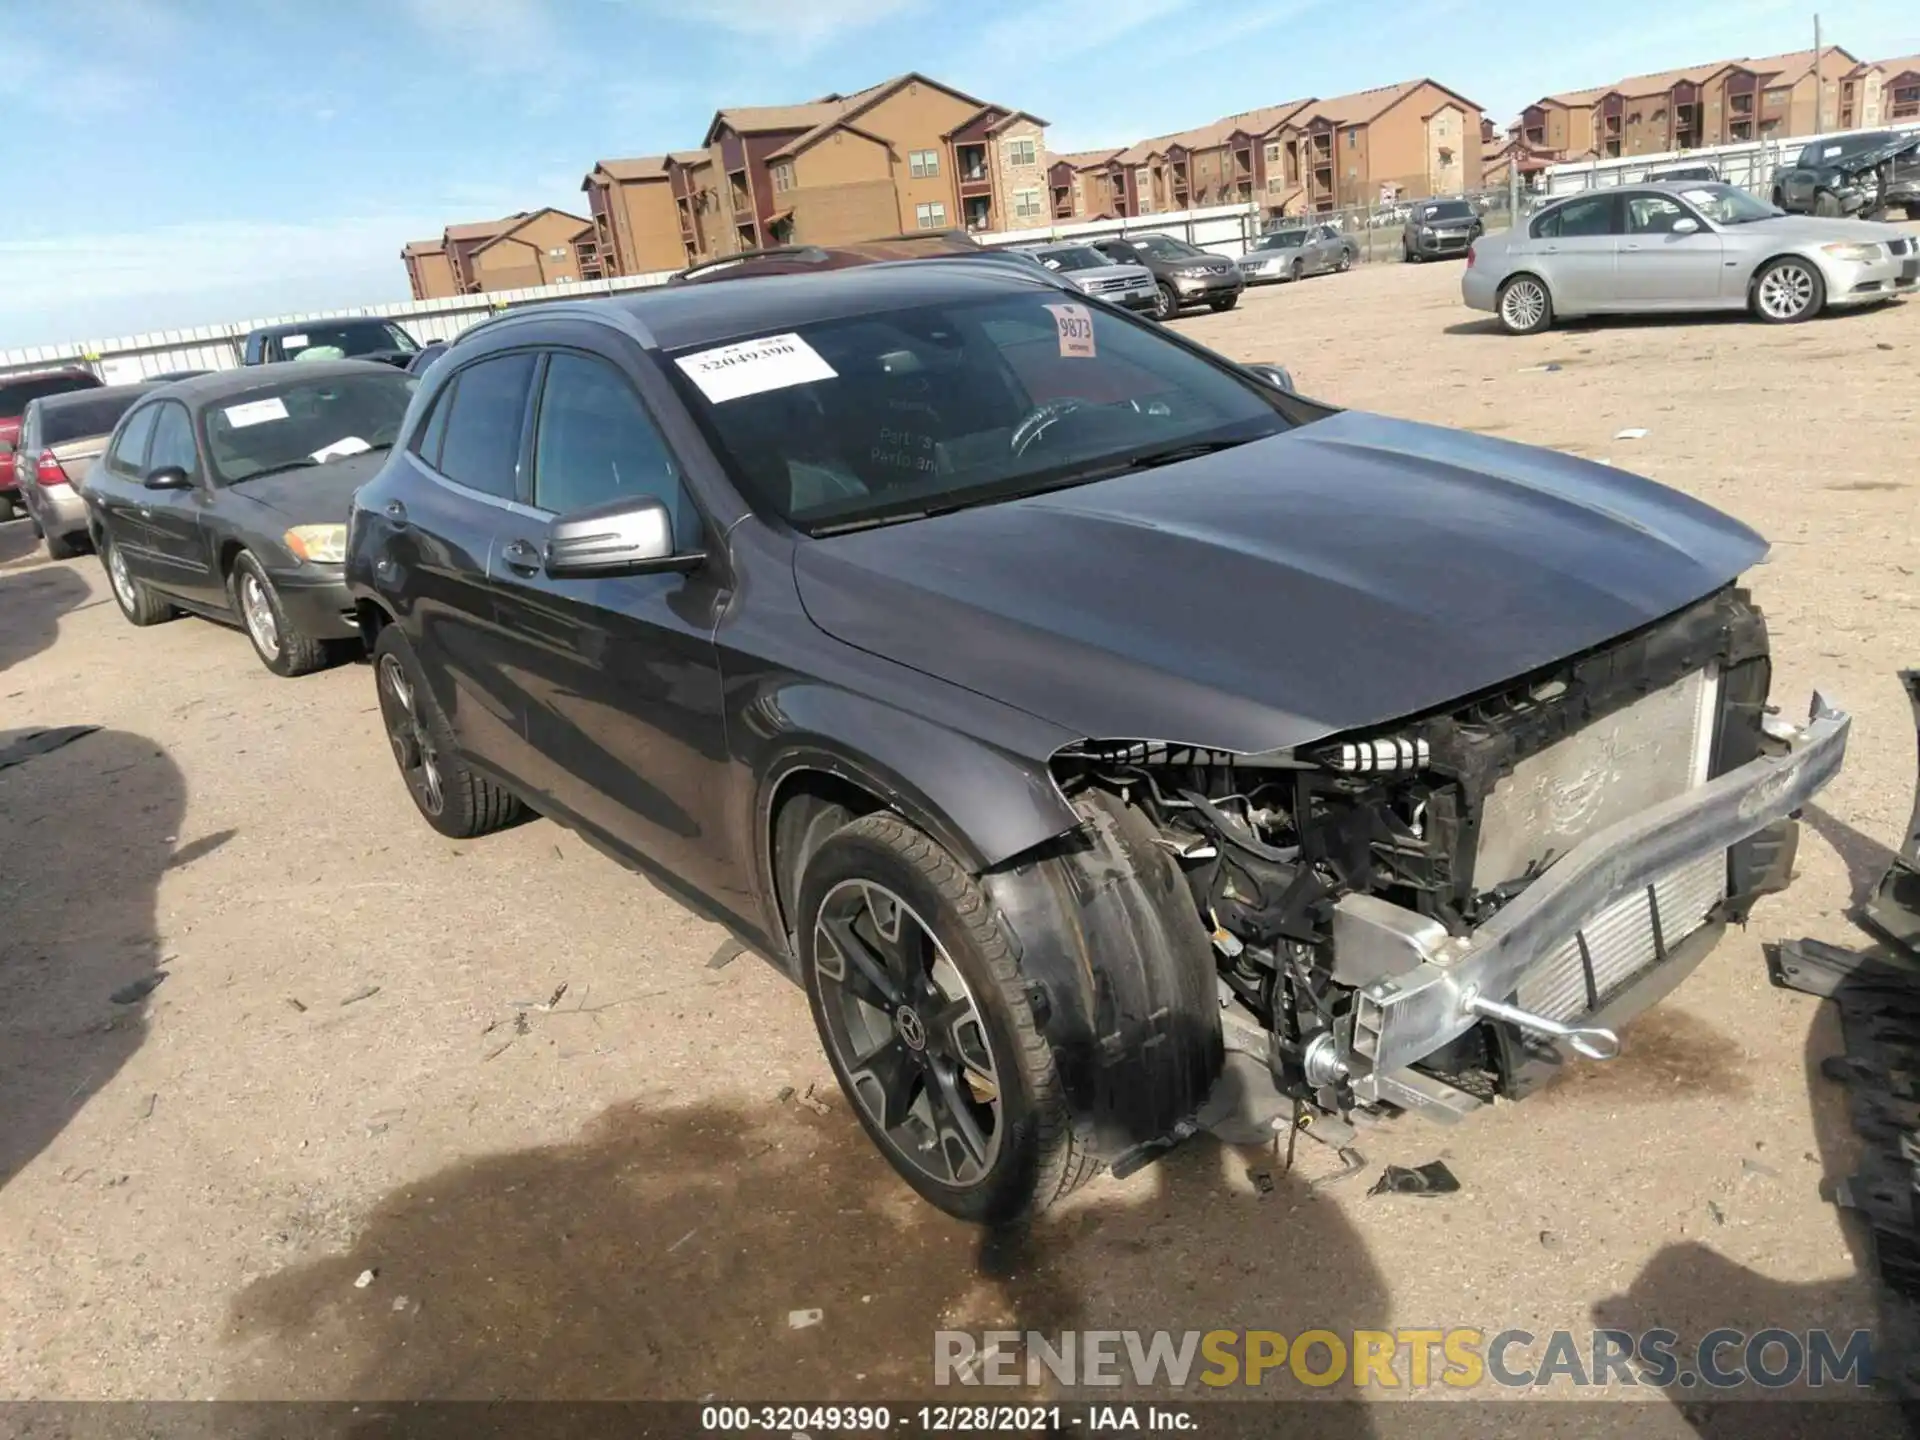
<point x="1750" y="164"/>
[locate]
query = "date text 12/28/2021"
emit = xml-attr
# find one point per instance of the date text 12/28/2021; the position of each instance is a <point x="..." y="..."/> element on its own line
<point x="809" y="1420"/>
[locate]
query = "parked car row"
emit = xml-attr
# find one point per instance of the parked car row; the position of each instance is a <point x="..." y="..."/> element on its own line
<point x="1109" y="740"/>
<point x="1685" y="246"/>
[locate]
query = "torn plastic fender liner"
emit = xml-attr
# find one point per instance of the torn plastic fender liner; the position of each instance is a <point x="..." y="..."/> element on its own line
<point x="1894" y="908"/>
<point x="1120" y="976"/>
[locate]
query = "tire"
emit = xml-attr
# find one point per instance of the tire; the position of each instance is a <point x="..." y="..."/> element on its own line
<point x="1524" y="305"/>
<point x="1779" y="200"/>
<point x="1220" y="307"/>
<point x="281" y="646"/>
<point x="137" y="602"/>
<point x="1826" y="204"/>
<point x="1409" y="254"/>
<point x="9" y="508"/>
<point x="34" y="521"/>
<point x="879" y="888"/>
<point x="1787" y="291"/>
<point x="1346" y="262"/>
<point x="1294" y="272"/>
<point x="451" y="796"/>
<point x="1166" y="304"/>
<point x="1913" y="212"/>
<point x="59" y="547"/>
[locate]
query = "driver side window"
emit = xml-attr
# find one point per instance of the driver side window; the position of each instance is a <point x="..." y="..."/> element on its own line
<point x="594" y="442"/>
<point x="1652" y="215"/>
<point x="173" y="442"/>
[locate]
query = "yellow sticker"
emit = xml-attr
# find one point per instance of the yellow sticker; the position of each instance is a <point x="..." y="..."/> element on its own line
<point x="1076" y="329"/>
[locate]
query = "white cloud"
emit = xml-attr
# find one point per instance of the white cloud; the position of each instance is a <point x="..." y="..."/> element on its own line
<point x="111" y="284"/>
<point x="806" y="23"/>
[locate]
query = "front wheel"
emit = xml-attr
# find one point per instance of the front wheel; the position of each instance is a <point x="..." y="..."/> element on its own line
<point x="921" y="1010"/>
<point x="137" y="602"/>
<point x="1166" y="304"/>
<point x="1225" y="302"/>
<point x="1788" y="290"/>
<point x="1524" y="306"/>
<point x="281" y="646"/>
<point x="1346" y="262"/>
<point x="59" y="547"/>
<point x="451" y="796"/>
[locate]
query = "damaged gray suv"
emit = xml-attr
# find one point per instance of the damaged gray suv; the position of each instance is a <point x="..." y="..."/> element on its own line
<point x="1112" y="743"/>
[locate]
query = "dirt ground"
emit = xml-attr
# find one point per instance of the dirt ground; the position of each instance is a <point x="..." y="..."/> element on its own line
<point x="352" y="1065"/>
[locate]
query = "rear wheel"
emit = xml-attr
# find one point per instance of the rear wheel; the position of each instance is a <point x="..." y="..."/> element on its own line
<point x="924" y="1018"/>
<point x="451" y="796"/>
<point x="1293" y="269"/>
<point x="1524" y="306"/>
<point x="1346" y="262"/>
<point x="1166" y="304"/>
<point x="137" y="602"/>
<point x="1788" y="290"/>
<point x="281" y="646"/>
<point x="9" y="508"/>
<point x="59" y="547"/>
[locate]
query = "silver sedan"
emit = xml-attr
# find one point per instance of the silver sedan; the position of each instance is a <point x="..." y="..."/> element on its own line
<point x="1684" y="246"/>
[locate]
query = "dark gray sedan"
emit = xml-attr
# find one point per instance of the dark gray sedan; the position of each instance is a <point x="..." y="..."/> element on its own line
<point x="227" y="496"/>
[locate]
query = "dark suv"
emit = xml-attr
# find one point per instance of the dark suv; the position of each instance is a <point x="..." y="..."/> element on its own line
<point x="16" y="392"/>
<point x="1439" y="227"/>
<point x="1110" y="742"/>
<point x="356" y="337"/>
<point x="1184" y="274"/>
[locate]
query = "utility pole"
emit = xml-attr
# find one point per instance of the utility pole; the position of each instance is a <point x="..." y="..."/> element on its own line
<point x="1819" y="82"/>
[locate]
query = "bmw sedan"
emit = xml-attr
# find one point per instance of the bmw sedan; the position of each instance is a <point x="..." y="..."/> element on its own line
<point x="1648" y="248"/>
<point x="1111" y="743"/>
<point x="226" y="496"/>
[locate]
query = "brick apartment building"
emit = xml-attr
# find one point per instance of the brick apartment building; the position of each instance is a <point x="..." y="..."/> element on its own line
<point x="429" y="271"/>
<point x="1722" y="103"/>
<point x="518" y="251"/>
<point x="910" y="153"/>
<point x="1303" y="157"/>
<point x="1880" y="92"/>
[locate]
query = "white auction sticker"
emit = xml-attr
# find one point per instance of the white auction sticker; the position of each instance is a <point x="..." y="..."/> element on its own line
<point x="292" y="342"/>
<point x="255" y="412"/>
<point x="1076" y="329"/>
<point x="752" y="367"/>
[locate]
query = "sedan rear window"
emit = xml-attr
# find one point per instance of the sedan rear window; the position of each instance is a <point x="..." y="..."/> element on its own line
<point x="82" y="416"/>
<point x="914" y="410"/>
<point x="15" y="394"/>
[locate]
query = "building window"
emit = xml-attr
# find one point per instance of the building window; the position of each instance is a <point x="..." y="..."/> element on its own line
<point x="1276" y="185"/>
<point x="782" y="177"/>
<point x="932" y="216"/>
<point x="1446" y="155"/>
<point x="1026" y="204"/>
<point x="1022" y="151"/>
<point x="1780" y="94"/>
<point x="1273" y="152"/>
<point x="1659" y="115"/>
<point x="923" y="164"/>
<point x="1353" y="139"/>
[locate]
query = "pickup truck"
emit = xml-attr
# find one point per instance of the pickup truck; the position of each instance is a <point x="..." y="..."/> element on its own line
<point x="1862" y="175"/>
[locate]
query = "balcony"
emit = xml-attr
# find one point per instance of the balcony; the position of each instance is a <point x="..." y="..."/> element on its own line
<point x="740" y="193"/>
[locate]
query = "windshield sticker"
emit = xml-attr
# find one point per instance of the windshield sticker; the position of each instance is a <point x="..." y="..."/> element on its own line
<point x="255" y="412"/>
<point x="1831" y="151"/>
<point x="292" y="342"/>
<point x="773" y="362"/>
<point x="1076" y="330"/>
<point x="351" y="445"/>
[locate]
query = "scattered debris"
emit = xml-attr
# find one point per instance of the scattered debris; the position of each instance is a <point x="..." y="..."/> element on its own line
<point x="1433" y="1178"/>
<point x="683" y="1240"/>
<point x="146" y="1111"/>
<point x="496" y="1052"/>
<point x="1750" y="1167"/>
<point x="364" y="1279"/>
<point x="785" y="1094"/>
<point x="554" y="999"/>
<point x="1549" y="1240"/>
<point x="1633" y="432"/>
<point x="520" y="1025"/>
<point x="818" y="1107"/>
<point x="1550" y="368"/>
<point x="1262" y="1180"/>
<point x="296" y="1005"/>
<point x="1881" y="345"/>
<point x="729" y="951"/>
<point x="138" y="990"/>
<point x="366" y="993"/>
<point x="804" y="1319"/>
<point x="399" y="1303"/>
<point x="1352" y="1161"/>
<point x="1719" y="1215"/>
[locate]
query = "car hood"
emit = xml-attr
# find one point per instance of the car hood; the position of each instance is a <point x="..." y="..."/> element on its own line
<point x="1106" y="272"/>
<point x="320" y="495"/>
<point x="1351" y="572"/>
<point x="1814" y="230"/>
<point x="1878" y="155"/>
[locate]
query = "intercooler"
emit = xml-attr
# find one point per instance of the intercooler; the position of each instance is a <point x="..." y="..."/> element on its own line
<point x="1658" y="747"/>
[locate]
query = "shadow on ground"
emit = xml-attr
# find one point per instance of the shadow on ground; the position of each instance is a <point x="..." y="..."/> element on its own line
<point x="662" y="1254"/>
<point x="33" y="596"/>
<point x="87" y="830"/>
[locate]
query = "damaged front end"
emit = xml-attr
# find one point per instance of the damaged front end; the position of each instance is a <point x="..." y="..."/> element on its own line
<point x="1870" y="180"/>
<point x="1433" y="913"/>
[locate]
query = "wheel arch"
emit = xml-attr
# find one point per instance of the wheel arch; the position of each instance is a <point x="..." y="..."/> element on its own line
<point x="1760" y="267"/>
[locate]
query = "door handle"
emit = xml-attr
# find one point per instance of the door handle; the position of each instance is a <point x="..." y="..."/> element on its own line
<point x="521" y="557"/>
<point x="397" y="513"/>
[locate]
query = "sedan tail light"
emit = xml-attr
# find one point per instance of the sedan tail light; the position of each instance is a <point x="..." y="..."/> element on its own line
<point x="48" y="471"/>
<point x="1469" y="256"/>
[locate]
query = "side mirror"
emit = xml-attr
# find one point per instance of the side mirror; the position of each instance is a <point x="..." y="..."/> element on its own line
<point x="1274" y="375"/>
<point x="621" y="537"/>
<point x="1685" y="225"/>
<point x="168" y="477"/>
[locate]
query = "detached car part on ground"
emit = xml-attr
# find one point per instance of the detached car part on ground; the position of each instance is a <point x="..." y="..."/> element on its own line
<point x="1864" y="175"/>
<point x="1111" y="742"/>
<point x="1643" y="249"/>
<point x="226" y="496"/>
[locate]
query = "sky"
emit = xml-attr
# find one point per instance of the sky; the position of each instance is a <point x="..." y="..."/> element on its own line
<point x="180" y="162"/>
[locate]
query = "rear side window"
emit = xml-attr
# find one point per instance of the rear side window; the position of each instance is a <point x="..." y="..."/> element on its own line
<point x="481" y="446"/>
<point x="76" y="419"/>
<point x="427" y="443"/>
<point x="173" y="446"/>
<point x="130" y="450"/>
<point x="1576" y="218"/>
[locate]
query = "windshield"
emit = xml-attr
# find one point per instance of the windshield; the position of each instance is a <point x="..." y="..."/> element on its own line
<point x="64" y="420"/>
<point x="1285" y="240"/>
<point x="337" y="341"/>
<point x="905" y="412"/>
<point x="1163" y="247"/>
<point x="1443" y="210"/>
<point x="1728" y="205"/>
<point x="1074" y="257"/>
<point x="297" y="424"/>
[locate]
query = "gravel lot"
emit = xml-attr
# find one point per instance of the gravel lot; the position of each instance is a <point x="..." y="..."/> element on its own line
<point x="609" y="1197"/>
